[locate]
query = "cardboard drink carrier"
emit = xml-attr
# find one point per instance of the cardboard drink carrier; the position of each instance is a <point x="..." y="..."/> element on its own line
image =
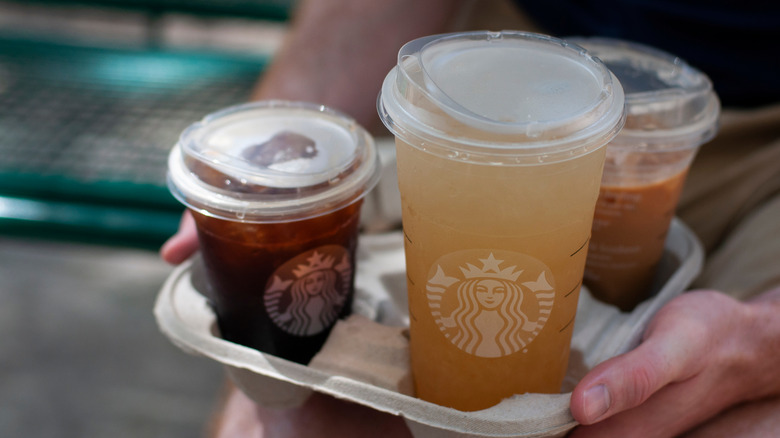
<point x="366" y="361"/>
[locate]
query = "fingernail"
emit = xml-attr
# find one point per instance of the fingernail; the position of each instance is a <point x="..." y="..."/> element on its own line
<point x="596" y="401"/>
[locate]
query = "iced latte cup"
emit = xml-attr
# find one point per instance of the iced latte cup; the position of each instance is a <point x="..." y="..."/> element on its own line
<point x="276" y="188"/>
<point x="500" y="140"/>
<point x="671" y="111"/>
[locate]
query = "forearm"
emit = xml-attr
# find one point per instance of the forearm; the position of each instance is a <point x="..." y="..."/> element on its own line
<point x="337" y="52"/>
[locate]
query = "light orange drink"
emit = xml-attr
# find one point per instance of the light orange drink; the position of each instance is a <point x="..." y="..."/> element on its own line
<point x="500" y="146"/>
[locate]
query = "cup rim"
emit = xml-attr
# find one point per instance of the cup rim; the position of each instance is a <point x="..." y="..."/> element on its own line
<point x="696" y="89"/>
<point x="290" y="203"/>
<point x="608" y="110"/>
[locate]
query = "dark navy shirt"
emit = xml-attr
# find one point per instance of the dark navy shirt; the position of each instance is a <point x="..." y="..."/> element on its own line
<point x="735" y="42"/>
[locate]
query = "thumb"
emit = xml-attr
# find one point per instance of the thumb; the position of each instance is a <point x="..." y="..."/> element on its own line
<point x="626" y="381"/>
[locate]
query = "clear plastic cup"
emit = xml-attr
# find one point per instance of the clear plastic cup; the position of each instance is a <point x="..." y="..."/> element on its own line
<point x="500" y="145"/>
<point x="275" y="188"/>
<point x="671" y="111"/>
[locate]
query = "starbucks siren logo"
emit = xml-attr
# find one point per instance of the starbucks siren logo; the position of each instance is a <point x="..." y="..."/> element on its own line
<point x="305" y="295"/>
<point x="485" y="310"/>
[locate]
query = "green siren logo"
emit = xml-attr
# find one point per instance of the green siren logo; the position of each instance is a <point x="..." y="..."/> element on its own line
<point x="306" y="294"/>
<point x="493" y="310"/>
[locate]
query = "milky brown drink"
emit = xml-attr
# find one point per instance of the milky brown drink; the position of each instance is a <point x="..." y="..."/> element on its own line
<point x="671" y="110"/>
<point x="275" y="189"/>
<point x="621" y="258"/>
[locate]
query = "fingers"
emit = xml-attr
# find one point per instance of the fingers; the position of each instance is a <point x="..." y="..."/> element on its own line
<point x="687" y="369"/>
<point x="182" y="244"/>
<point x="674" y="348"/>
<point x="758" y="419"/>
<point x="629" y="380"/>
<point x="667" y="413"/>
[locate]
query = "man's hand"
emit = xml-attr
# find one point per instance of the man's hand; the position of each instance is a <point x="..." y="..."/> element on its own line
<point x="702" y="353"/>
<point x="320" y="416"/>
<point x="182" y="244"/>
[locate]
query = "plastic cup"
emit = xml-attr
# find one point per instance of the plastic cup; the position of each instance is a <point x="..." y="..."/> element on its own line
<point x="275" y="188"/>
<point x="500" y="145"/>
<point x="671" y="111"/>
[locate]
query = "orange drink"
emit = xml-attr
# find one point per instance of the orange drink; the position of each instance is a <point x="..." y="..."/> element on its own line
<point x="500" y="146"/>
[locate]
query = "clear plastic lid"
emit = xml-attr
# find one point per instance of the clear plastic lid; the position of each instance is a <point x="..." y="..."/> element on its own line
<point x="668" y="102"/>
<point x="501" y="97"/>
<point x="273" y="161"/>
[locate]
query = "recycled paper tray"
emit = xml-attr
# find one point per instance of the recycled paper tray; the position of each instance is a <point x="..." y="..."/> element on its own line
<point x="601" y="331"/>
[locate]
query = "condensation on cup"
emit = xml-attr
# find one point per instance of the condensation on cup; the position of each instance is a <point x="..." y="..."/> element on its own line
<point x="275" y="189"/>
<point x="500" y="141"/>
<point x="671" y="111"/>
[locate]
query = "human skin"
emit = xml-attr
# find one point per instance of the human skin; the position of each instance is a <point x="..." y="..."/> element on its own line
<point x="706" y="361"/>
<point x="702" y="353"/>
<point x="320" y="416"/>
<point x="338" y="52"/>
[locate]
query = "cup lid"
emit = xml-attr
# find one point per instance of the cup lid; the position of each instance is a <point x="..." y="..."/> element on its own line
<point x="500" y="95"/>
<point x="668" y="102"/>
<point x="272" y="161"/>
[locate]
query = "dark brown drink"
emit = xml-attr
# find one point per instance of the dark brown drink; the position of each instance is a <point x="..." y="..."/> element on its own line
<point x="248" y="263"/>
<point x="275" y="189"/>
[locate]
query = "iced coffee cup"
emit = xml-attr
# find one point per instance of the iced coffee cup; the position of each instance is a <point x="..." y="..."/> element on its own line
<point x="500" y="140"/>
<point x="671" y="111"/>
<point x="276" y="188"/>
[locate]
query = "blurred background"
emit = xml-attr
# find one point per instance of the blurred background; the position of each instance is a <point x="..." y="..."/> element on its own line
<point x="93" y="94"/>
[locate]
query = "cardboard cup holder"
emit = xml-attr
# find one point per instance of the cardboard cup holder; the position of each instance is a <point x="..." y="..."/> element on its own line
<point x="365" y="359"/>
